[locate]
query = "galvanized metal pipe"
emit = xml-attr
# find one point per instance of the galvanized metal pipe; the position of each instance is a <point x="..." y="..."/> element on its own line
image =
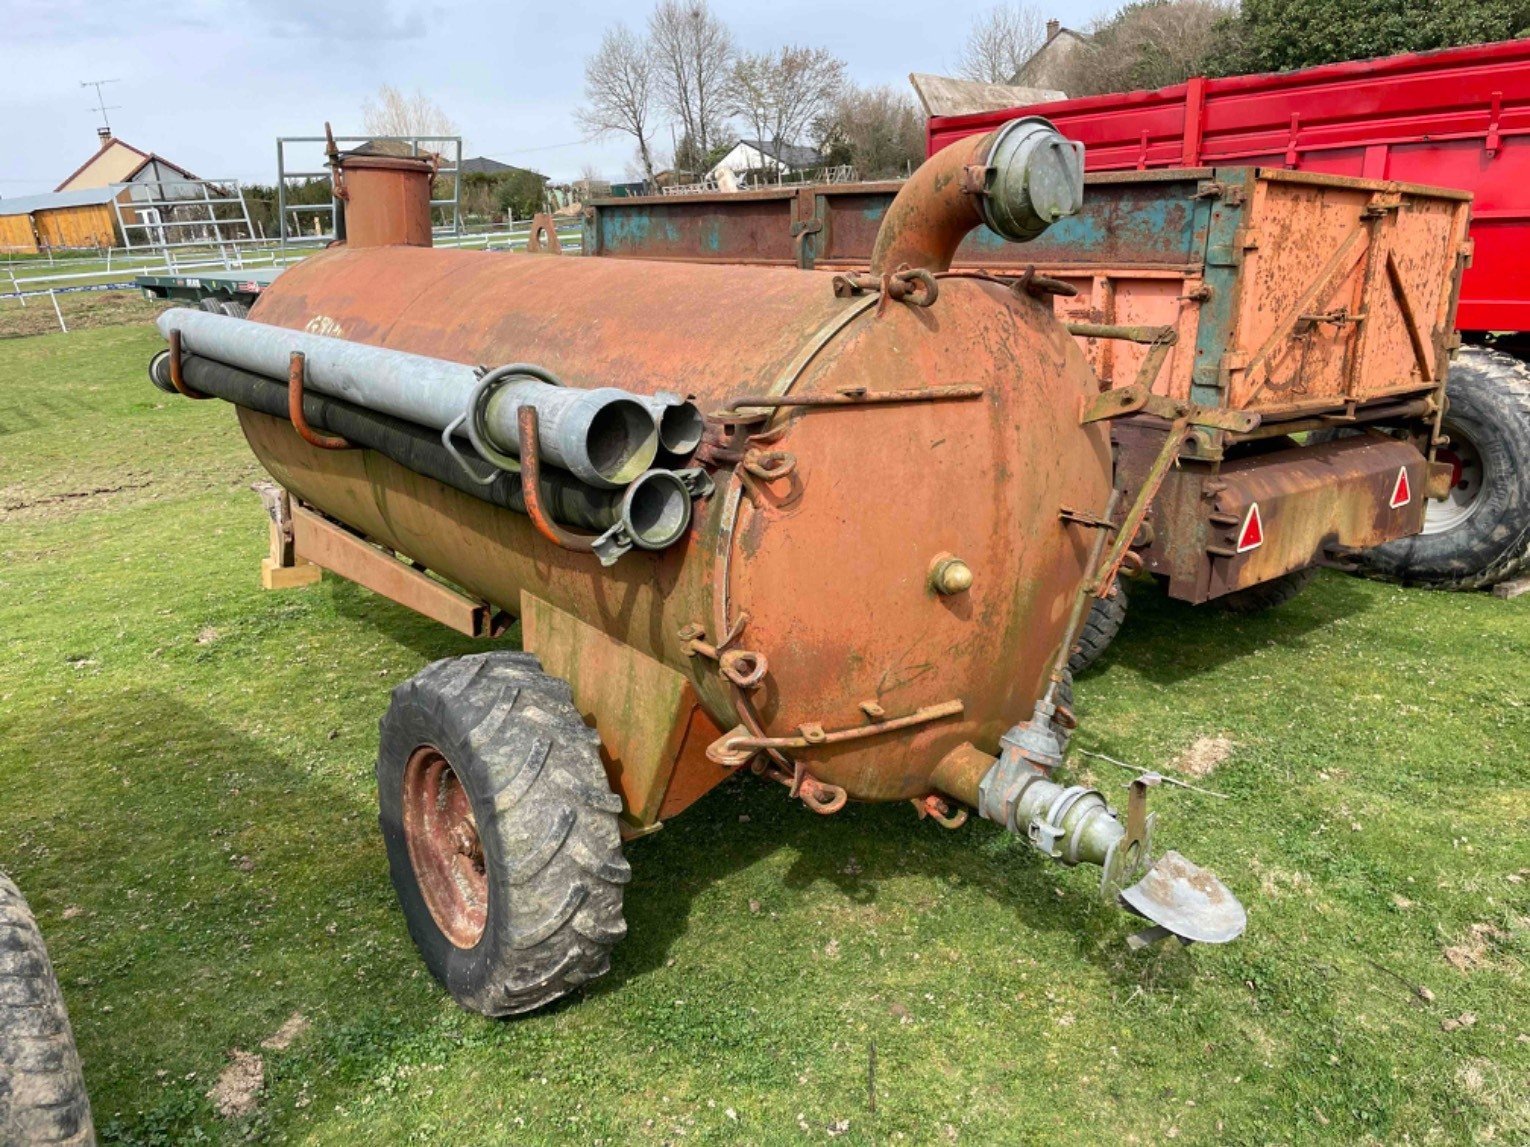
<point x="604" y="436"/>
<point x="654" y="510"/>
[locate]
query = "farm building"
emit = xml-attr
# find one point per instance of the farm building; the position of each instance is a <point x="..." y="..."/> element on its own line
<point x="116" y="161"/>
<point x="61" y="219"/>
<point x="769" y="157"/>
<point x="124" y="196"/>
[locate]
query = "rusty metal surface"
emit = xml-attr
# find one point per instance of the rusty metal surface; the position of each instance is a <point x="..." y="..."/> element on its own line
<point x="933" y="212"/>
<point x="1236" y="261"/>
<point x="645" y="711"/>
<point x="531" y="488"/>
<point x="441" y="835"/>
<point x="1310" y="499"/>
<point x="387" y="200"/>
<point x="295" y="377"/>
<point x="326" y="544"/>
<point x="819" y="567"/>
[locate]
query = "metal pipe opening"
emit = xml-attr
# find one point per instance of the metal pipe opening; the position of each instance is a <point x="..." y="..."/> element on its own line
<point x="680" y="430"/>
<point x="619" y="441"/>
<point x="656" y="510"/>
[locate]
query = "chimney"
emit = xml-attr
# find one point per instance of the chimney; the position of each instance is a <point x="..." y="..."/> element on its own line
<point x="1053" y="27"/>
<point x="104" y="134"/>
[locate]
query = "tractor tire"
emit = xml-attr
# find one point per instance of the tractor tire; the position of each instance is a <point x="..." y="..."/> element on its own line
<point x="1481" y="535"/>
<point x="1065" y="701"/>
<point x="1106" y="616"/>
<point x="501" y="832"/>
<point x="1267" y="594"/>
<point x="42" y="1090"/>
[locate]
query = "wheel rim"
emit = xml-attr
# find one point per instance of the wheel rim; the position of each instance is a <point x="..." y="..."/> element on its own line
<point x="1466" y="484"/>
<point x="442" y="835"/>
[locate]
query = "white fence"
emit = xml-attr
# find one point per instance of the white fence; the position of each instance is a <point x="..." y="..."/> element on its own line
<point x="113" y="269"/>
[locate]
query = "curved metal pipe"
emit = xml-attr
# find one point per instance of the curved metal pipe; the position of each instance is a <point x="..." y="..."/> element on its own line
<point x="1019" y="179"/>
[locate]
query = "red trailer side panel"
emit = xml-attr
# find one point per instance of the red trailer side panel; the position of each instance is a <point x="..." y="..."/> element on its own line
<point x="1457" y="118"/>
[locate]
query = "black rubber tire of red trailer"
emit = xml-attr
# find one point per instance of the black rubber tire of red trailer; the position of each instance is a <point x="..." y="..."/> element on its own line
<point x="1482" y="536"/>
<point x="1267" y="594"/>
<point x="42" y="1089"/>
<point x="545" y="841"/>
<point x="1106" y="616"/>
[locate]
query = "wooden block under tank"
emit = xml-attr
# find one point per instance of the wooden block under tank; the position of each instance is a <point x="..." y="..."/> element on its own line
<point x="273" y="576"/>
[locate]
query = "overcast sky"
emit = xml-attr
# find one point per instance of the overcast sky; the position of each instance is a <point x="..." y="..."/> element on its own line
<point x="210" y="84"/>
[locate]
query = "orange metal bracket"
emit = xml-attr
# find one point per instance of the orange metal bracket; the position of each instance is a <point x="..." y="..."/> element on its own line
<point x="295" y="375"/>
<point x="531" y="489"/>
<point x="176" y="379"/>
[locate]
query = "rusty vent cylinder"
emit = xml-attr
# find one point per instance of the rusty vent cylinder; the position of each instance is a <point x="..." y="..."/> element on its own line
<point x="387" y="200"/>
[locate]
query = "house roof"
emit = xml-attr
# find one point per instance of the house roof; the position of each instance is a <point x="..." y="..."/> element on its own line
<point x="483" y="165"/>
<point x="785" y="153"/>
<point x="147" y="157"/>
<point x="945" y="95"/>
<point x="1058" y="43"/>
<point x="53" y="200"/>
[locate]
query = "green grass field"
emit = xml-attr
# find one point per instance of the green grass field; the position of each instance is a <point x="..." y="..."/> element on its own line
<point x="188" y="803"/>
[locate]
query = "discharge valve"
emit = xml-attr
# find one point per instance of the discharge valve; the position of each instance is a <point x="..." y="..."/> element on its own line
<point x="1074" y="824"/>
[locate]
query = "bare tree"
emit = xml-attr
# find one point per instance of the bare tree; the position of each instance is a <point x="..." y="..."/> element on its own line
<point x="878" y="130"/>
<point x="781" y="94"/>
<point x="619" y="85"/>
<point x="1000" y="42"/>
<point x="391" y="112"/>
<point x="692" y="49"/>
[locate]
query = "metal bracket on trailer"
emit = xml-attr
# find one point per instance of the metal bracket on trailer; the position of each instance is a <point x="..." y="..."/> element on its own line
<point x="1138" y="399"/>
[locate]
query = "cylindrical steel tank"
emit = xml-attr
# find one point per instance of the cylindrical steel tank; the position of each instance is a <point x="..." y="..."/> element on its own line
<point x="827" y="570"/>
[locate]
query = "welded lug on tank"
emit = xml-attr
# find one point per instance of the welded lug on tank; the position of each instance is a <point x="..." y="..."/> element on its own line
<point x="914" y="286"/>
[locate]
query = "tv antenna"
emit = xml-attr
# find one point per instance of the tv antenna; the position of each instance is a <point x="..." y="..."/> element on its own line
<point x="101" y="105"/>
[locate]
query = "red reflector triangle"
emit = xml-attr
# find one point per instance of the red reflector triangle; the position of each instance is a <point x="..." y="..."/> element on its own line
<point x="1402" y="493"/>
<point x="1251" y="536"/>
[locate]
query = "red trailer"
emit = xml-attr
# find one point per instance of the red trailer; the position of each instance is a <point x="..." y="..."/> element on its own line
<point x="1456" y="118"/>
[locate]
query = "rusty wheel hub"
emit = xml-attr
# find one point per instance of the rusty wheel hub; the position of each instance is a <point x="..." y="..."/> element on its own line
<point x="444" y="848"/>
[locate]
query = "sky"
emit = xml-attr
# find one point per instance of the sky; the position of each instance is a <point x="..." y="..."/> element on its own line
<point x="210" y="84"/>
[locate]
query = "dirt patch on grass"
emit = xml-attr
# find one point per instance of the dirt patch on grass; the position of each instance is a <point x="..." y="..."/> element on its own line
<point x="83" y="311"/>
<point x="237" y="1092"/>
<point x="17" y="502"/>
<point x="1475" y="950"/>
<point x="1203" y="756"/>
<point x="283" y="1038"/>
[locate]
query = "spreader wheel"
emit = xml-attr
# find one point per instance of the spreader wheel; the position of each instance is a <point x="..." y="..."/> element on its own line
<point x="1267" y="594"/>
<point x="501" y="832"/>
<point x="1106" y="616"/>
<point x="42" y="1091"/>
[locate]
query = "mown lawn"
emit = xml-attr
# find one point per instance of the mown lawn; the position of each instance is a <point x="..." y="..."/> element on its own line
<point x="188" y="804"/>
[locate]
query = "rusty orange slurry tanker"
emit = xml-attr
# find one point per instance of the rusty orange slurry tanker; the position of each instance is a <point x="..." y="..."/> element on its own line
<point x="859" y="575"/>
